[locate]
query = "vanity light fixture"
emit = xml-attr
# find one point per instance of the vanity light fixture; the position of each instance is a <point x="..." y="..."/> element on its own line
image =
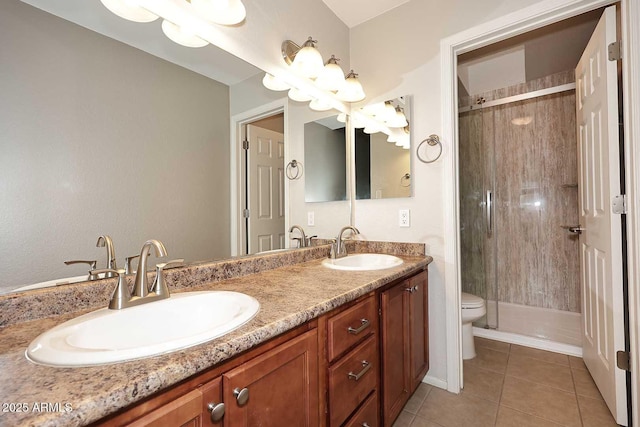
<point x="224" y="12"/>
<point x="129" y="10"/>
<point x="398" y="119"/>
<point x="298" y="95"/>
<point x="304" y="60"/>
<point x="332" y="77"/>
<point x="318" y="105"/>
<point x="272" y="82"/>
<point x="182" y="35"/>
<point x="352" y="89"/>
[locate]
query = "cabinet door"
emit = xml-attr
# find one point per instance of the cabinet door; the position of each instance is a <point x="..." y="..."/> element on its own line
<point x="281" y="386"/>
<point x="212" y="398"/>
<point x="395" y="351"/>
<point x="185" y="411"/>
<point x="418" y="328"/>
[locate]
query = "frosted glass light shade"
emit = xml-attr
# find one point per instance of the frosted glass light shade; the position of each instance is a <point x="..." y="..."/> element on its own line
<point x="182" y="35"/>
<point x="389" y="112"/>
<point x="332" y="77"/>
<point x="308" y="61"/>
<point x="299" y="96"/>
<point x="272" y="82"/>
<point x="319" y="105"/>
<point x="352" y="90"/>
<point x="225" y="12"/>
<point x="398" y="120"/>
<point x="128" y="9"/>
<point x="342" y="118"/>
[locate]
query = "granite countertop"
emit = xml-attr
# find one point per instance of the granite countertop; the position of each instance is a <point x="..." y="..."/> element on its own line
<point x="289" y="296"/>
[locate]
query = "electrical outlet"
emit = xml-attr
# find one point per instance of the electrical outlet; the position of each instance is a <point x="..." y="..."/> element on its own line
<point x="311" y="219"/>
<point x="404" y="218"/>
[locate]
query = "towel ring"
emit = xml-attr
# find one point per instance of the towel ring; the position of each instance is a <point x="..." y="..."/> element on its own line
<point x="406" y="178"/>
<point x="433" y="140"/>
<point x="299" y="169"/>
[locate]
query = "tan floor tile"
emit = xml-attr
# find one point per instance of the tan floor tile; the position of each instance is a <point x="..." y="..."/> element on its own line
<point x="404" y="419"/>
<point x="539" y="371"/>
<point x="482" y="382"/>
<point x="492" y="344"/>
<point x="422" y="390"/>
<point x="508" y="417"/>
<point x="577" y="363"/>
<point x="595" y="412"/>
<point x="416" y="399"/>
<point x="487" y="358"/>
<point x="547" y="356"/>
<point x="421" y="422"/>
<point x="542" y="401"/>
<point x="451" y="410"/>
<point x="585" y="385"/>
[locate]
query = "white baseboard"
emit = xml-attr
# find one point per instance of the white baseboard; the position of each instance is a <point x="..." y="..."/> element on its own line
<point x="436" y="382"/>
<point x="538" y="343"/>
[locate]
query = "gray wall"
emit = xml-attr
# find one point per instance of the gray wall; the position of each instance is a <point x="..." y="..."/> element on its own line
<point x="100" y="138"/>
<point x="325" y="163"/>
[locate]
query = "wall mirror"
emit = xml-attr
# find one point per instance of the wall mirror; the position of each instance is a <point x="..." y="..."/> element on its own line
<point x="101" y="138"/>
<point x="382" y="151"/>
<point x="325" y="160"/>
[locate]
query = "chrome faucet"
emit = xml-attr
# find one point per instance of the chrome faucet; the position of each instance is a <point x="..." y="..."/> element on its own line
<point x="303" y="240"/>
<point x="338" y="249"/>
<point x="92" y="267"/>
<point x="105" y="241"/>
<point x="140" y="286"/>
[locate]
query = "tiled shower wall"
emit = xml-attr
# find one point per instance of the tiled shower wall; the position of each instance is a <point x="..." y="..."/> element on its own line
<point x="532" y="171"/>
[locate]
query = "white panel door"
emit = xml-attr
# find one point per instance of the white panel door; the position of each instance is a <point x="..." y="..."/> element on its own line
<point x="601" y="239"/>
<point x="265" y="190"/>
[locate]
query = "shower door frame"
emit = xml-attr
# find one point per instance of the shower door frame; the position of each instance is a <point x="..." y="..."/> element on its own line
<point x="524" y="20"/>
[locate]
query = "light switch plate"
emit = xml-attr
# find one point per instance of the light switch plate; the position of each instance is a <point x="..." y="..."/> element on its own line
<point x="404" y="218"/>
<point x="311" y="219"/>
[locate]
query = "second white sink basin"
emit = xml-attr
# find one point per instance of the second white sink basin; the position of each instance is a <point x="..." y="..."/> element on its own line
<point x="362" y="262"/>
<point x="107" y="336"/>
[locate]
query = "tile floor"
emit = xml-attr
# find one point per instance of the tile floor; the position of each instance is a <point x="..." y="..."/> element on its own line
<point x="511" y="385"/>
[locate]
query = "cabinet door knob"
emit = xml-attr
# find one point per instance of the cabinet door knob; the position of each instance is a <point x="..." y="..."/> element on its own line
<point x="411" y="289"/>
<point x="242" y="396"/>
<point x="364" y="424"/>
<point x="364" y="324"/>
<point x="365" y="367"/>
<point x="217" y="411"/>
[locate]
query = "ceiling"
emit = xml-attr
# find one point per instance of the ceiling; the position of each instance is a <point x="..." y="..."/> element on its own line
<point x="210" y="61"/>
<point x="355" y="12"/>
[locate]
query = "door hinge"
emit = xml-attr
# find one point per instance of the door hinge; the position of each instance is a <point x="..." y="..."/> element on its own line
<point x="245" y="213"/>
<point x="623" y="360"/>
<point x="245" y="144"/>
<point x="615" y="51"/>
<point x="619" y="204"/>
<point x="379" y="312"/>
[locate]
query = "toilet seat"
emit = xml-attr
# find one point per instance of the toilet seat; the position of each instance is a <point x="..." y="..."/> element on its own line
<point x="471" y="301"/>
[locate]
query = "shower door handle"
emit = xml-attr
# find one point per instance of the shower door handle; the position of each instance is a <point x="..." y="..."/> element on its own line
<point x="573" y="229"/>
<point x="489" y="206"/>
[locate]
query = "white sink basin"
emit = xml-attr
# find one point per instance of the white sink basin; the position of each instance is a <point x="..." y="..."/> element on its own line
<point x="108" y="336"/>
<point x="361" y="262"/>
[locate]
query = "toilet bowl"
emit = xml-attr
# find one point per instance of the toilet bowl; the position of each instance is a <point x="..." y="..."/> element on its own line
<point x="473" y="308"/>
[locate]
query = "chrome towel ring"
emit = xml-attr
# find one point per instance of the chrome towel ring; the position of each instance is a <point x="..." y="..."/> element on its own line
<point x="432" y="140"/>
<point x="294" y="169"/>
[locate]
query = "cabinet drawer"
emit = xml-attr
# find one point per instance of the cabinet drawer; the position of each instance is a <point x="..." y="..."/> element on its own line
<point x="351" y="379"/>
<point x="367" y="415"/>
<point x="351" y="326"/>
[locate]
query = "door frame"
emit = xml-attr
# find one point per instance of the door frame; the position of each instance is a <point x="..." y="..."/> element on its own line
<point x="538" y="15"/>
<point x="238" y="121"/>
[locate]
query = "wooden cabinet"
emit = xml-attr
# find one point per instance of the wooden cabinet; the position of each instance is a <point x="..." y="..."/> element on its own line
<point x="185" y="411"/>
<point x="280" y="387"/>
<point x="404" y="342"/>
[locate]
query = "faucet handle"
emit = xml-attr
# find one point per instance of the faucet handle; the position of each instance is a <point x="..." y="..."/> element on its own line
<point x="92" y="266"/>
<point x="159" y="286"/>
<point x="310" y="239"/>
<point x="128" y="268"/>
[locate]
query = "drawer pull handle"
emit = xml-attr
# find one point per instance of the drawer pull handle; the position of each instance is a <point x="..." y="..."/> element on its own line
<point x="217" y="411"/>
<point x="242" y="396"/>
<point x="365" y="367"/>
<point x="364" y="325"/>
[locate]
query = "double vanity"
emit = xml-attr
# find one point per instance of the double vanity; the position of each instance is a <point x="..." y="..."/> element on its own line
<point x="283" y="338"/>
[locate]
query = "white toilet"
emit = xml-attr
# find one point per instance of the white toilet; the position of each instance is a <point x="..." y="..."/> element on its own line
<point x="473" y="308"/>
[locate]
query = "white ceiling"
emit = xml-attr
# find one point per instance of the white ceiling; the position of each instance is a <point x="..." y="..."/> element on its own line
<point x="210" y="61"/>
<point x="355" y="12"/>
